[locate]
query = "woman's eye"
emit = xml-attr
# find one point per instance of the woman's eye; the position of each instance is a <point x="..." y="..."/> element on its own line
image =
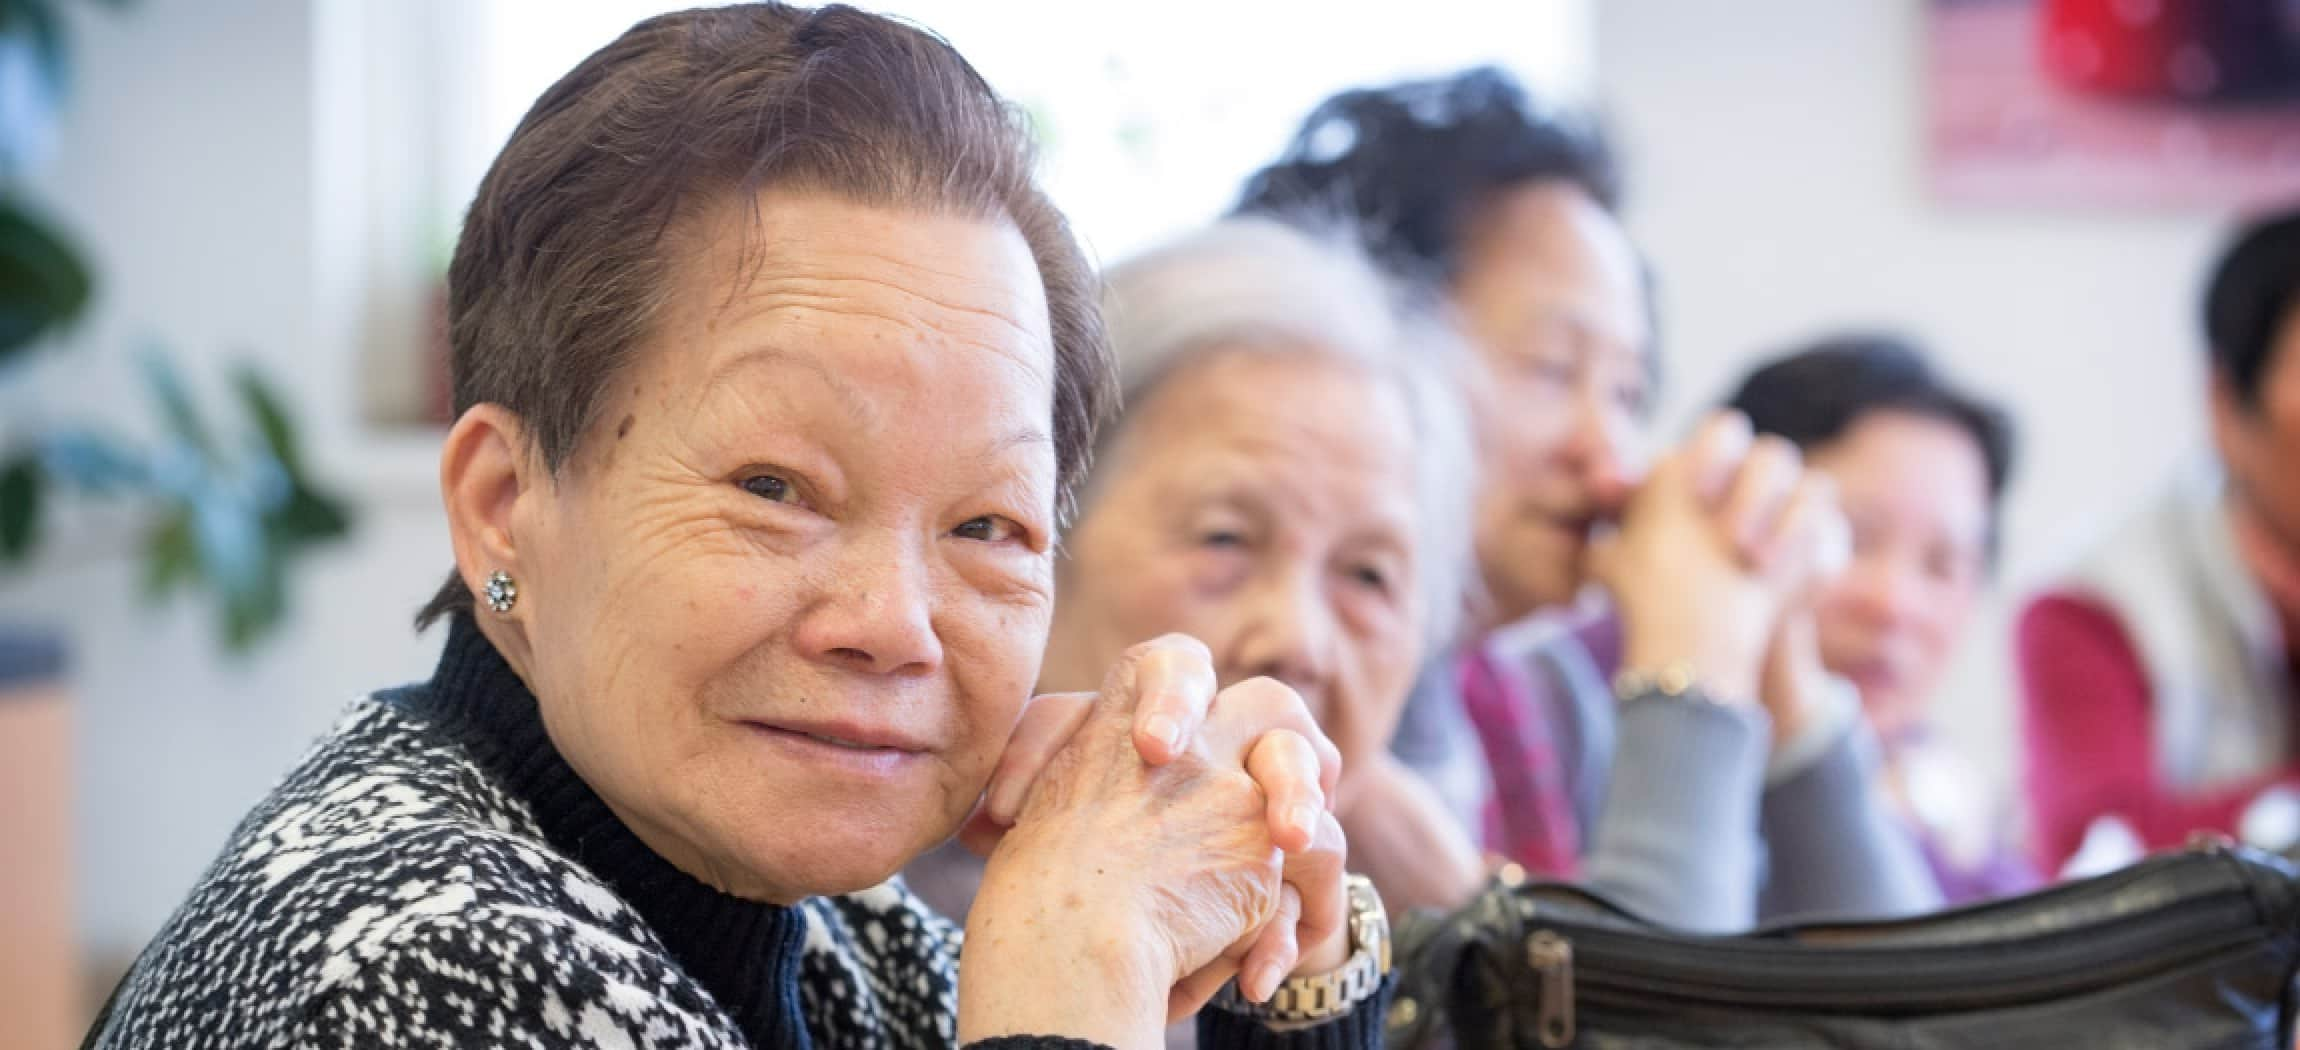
<point x="770" y="488"/>
<point x="1222" y="538"/>
<point x="1631" y="397"/>
<point x="1950" y="565"/>
<point x="987" y="529"/>
<point x="1372" y="577"/>
<point x="1550" y="370"/>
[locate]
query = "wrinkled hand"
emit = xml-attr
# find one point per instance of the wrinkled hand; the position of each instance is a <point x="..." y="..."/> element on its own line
<point x="1174" y="688"/>
<point x="1158" y="837"/>
<point x="1727" y="534"/>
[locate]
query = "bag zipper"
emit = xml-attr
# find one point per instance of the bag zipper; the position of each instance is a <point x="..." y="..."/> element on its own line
<point x="1626" y="968"/>
<point x="1552" y="958"/>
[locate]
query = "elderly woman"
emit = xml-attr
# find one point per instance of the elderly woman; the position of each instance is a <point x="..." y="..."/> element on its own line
<point x="1289" y="483"/>
<point x="1920" y="468"/>
<point x="775" y="371"/>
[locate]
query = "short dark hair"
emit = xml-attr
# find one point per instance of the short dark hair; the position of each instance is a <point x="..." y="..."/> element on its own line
<point x="1812" y="395"/>
<point x="565" y="254"/>
<point x="2254" y="295"/>
<point x="1409" y="163"/>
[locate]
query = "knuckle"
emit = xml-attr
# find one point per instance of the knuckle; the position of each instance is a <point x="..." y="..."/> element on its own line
<point x="1178" y="646"/>
<point x="1779" y="450"/>
<point x="1265" y="693"/>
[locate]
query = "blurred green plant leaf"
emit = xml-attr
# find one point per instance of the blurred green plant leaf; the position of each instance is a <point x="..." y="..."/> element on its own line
<point x="309" y="517"/>
<point x="19" y="508"/>
<point x="43" y="283"/>
<point x="271" y="420"/>
<point x="171" y="556"/>
<point x="176" y="407"/>
<point x="41" y="24"/>
<point x="253" y="611"/>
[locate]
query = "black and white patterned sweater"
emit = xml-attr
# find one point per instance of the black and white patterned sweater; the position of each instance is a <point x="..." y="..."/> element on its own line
<point x="433" y="874"/>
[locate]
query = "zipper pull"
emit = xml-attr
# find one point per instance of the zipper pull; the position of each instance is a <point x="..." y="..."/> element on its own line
<point x="1552" y="959"/>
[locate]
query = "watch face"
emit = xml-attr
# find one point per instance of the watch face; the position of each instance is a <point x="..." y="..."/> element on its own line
<point x="1369" y="922"/>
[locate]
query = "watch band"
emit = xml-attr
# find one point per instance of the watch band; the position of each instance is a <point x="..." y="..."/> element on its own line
<point x="1674" y="681"/>
<point x="1329" y="995"/>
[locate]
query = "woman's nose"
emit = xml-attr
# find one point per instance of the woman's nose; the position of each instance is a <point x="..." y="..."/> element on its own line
<point x="874" y="611"/>
<point x="1601" y="450"/>
<point x="1287" y="632"/>
<point x="1885" y="592"/>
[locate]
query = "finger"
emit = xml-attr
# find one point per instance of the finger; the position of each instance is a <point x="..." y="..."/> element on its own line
<point x="1244" y="712"/>
<point x="1047" y="723"/>
<point x="1715" y="454"/>
<point x="1319" y="875"/>
<point x="1761" y="490"/>
<point x="1285" y="766"/>
<point x="1812" y="541"/>
<point x="1274" y="952"/>
<point x="1192" y="993"/>
<point x="1173" y="685"/>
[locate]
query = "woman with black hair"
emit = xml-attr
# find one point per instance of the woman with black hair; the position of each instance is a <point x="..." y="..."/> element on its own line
<point x="1920" y="469"/>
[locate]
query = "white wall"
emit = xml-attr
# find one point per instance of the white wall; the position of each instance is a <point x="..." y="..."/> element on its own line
<point x="1775" y="152"/>
<point x="188" y="166"/>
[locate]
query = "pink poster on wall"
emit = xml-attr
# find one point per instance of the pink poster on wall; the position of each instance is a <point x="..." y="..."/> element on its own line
<point x="2153" y="104"/>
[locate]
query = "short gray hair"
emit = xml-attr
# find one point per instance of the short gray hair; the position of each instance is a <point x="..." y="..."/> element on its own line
<point x="1257" y="283"/>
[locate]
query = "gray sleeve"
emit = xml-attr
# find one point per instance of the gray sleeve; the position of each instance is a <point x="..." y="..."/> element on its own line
<point x="1833" y="847"/>
<point x="1676" y="837"/>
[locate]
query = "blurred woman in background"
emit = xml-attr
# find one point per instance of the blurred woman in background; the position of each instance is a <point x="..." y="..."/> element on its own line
<point x="1920" y="469"/>
<point x="1289" y="483"/>
<point x="1605" y="719"/>
<point x="2160" y="675"/>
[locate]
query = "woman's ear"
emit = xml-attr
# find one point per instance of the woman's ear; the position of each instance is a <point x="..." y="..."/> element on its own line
<point x="485" y="470"/>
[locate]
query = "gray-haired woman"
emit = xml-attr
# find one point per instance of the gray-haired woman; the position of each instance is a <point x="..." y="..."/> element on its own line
<point x="1289" y="483"/>
<point x="774" y="369"/>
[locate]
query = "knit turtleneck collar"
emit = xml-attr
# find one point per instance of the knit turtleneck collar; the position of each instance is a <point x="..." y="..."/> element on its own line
<point x="746" y="953"/>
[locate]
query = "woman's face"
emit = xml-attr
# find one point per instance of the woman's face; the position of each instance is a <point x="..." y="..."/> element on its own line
<point x="785" y="604"/>
<point x="1552" y="298"/>
<point x="1262" y="501"/>
<point x="1915" y="489"/>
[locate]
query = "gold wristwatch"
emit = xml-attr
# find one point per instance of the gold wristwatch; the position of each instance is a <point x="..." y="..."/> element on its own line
<point x="1308" y="1000"/>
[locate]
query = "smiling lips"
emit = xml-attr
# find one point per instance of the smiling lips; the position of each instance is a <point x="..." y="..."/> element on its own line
<point x="860" y="739"/>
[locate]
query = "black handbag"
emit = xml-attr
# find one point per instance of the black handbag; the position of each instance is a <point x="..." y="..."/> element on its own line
<point x="2186" y="951"/>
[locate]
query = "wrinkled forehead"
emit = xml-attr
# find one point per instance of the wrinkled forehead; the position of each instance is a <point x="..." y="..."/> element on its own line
<point x="1321" y="432"/>
<point x="972" y="274"/>
<point x="882" y="316"/>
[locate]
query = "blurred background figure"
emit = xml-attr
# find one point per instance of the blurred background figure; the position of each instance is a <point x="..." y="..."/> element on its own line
<point x="1751" y="796"/>
<point x="1289" y="483"/>
<point x="1549" y="293"/>
<point x="2159" y="676"/>
<point x="1920" y="469"/>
